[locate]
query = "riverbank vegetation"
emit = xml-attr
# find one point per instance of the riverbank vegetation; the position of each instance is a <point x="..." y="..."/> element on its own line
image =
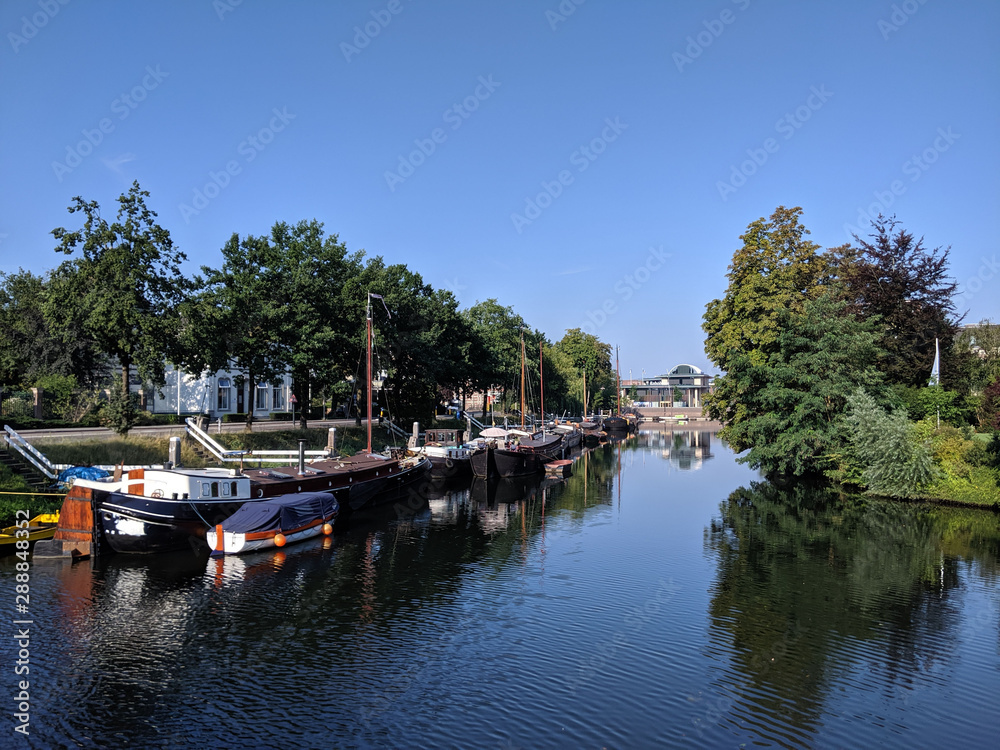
<point x="850" y="364"/>
<point x="110" y="318"/>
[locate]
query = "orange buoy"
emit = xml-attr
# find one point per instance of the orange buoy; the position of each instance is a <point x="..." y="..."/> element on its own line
<point x="327" y="529"/>
<point x="279" y="540"/>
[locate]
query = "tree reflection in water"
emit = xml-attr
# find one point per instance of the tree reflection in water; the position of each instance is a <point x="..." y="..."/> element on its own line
<point x="810" y="584"/>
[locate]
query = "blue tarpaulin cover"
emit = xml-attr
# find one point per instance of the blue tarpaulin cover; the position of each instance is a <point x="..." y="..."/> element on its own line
<point x="82" y="472"/>
<point x="283" y="513"/>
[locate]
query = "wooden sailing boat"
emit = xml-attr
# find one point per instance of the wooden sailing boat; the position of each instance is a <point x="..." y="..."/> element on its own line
<point x="528" y="456"/>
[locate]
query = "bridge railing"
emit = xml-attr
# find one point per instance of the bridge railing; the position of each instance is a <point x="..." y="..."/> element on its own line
<point x="227" y="456"/>
<point x="30" y="453"/>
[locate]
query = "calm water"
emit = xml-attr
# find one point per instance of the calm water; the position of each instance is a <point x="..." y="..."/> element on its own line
<point x="662" y="596"/>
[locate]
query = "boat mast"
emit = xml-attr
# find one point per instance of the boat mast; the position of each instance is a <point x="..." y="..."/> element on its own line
<point x="541" y="385"/>
<point x="368" y="325"/>
<point x="618" y="366"/>
<point x="522" y="377"/>
<point x="585" y="392"/>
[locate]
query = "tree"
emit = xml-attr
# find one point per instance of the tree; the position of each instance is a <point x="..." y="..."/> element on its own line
<point x="893" y="277"/>
<point x="34" y="345"/>
<point x="983" y="342"/>
<point x="590" y="357"/>
<point x="989" y="407"/>
<point x="420" y="339"/>
<point x="126" y="287"/>
<point x="309" y="273"/>
<point x="785" y="410"/>
<point x="497" y="330"/>
<point x="239" y="318"/>
<point x="776" y="271"/>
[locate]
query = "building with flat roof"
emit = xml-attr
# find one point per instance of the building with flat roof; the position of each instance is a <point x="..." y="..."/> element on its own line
<point x="659" y="390"/>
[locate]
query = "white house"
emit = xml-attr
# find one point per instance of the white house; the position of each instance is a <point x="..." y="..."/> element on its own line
<point x="217" y="394"/>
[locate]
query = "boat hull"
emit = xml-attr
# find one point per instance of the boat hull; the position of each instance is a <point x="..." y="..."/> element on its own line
<point x="483" y="463"/>
<point x="133" y="524"/>
<point x="515" y="463"/>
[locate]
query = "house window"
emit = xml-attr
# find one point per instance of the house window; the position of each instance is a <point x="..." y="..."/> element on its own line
<point x="278" y="398"/>
<point x="223" y="394"/>
<point x="260" y="402"/>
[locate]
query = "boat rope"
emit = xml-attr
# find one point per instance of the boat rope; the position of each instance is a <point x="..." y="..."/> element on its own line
<point x="30" y="492"/>
<point x="195" y="509"/>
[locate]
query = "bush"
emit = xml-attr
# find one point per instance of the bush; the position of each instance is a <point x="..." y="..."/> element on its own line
<point x="896" y="463"/>
<point x="121" y="413"/>
<point x="281" y="416"/>
<point x="921" y="403"/>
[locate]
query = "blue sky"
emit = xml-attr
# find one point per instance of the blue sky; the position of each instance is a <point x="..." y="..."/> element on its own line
<point x="591" y="165"/>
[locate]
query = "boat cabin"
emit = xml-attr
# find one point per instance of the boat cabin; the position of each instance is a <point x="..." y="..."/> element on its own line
<point x="193" y="484"/>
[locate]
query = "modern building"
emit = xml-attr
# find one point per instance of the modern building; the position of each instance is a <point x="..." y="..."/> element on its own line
<point x="659" y="390"/>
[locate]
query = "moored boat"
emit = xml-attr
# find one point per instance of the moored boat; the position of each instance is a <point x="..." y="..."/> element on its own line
<point x="261" y="524"/>
<point x="40" y="527"/>
<point x="161" y="510"/>
<point x="572" y="435"/>
<point x="356" y="481"/>
<point x="448" y="457"/>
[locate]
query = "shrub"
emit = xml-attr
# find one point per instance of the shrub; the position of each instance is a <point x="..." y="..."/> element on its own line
<point x="895" y="462"/>
<point x="121" y="413"/>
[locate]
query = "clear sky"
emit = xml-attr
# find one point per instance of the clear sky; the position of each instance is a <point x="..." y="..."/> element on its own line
<point x="591" y="164"/>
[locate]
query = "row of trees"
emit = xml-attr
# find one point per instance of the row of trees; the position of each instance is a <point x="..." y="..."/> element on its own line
<point x="807" y="338"/>
<point x="290" y="301"/>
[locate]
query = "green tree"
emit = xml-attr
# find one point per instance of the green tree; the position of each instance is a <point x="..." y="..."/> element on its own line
<point x="894" y="277"/>
<point x="776" y="271"/>
<point x="126" y="287"/>
<point x="33" y="344"/>
<point x="121" y="413"/>
<point x="785" y="410"/>
<point x="497" y="330"/>
<point x="982" y="341"/>
<point x="309" y="272"/>
<point x="591" y="358"/>
<point x="238" y="321"/>
<point x="420" y="338"/>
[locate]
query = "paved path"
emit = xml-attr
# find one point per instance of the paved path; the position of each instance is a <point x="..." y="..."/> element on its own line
<point x="103" y="433"/>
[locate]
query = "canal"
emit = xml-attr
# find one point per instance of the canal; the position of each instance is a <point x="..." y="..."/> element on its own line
<point x="662" y="596"/>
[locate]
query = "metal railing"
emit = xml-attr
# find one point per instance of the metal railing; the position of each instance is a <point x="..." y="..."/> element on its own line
<point x="222" y="454"/>
<point x="395" y="429"/>
<point x="31" y="453"/>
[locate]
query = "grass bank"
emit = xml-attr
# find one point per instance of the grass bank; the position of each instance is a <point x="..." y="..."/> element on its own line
<point x="21" y="497"/>
<point x="137" y="450"/>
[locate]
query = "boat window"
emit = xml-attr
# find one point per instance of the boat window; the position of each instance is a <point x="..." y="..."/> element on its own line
<point x="215" y="489"/>
<point x="225" y="489"/>
<point x="206" y="489"/>
<point x="234" y="491"/>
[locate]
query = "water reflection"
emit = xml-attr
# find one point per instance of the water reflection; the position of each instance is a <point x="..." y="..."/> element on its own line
<point x="687" y="449"/>
<point x="622" y="607"/>
<point x="818" y="598"/>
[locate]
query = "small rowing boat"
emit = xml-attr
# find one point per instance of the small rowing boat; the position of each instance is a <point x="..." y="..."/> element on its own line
<point x="39" y="527"/>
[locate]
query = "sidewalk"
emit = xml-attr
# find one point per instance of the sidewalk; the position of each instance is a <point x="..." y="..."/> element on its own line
<point x="69" y="434"/>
